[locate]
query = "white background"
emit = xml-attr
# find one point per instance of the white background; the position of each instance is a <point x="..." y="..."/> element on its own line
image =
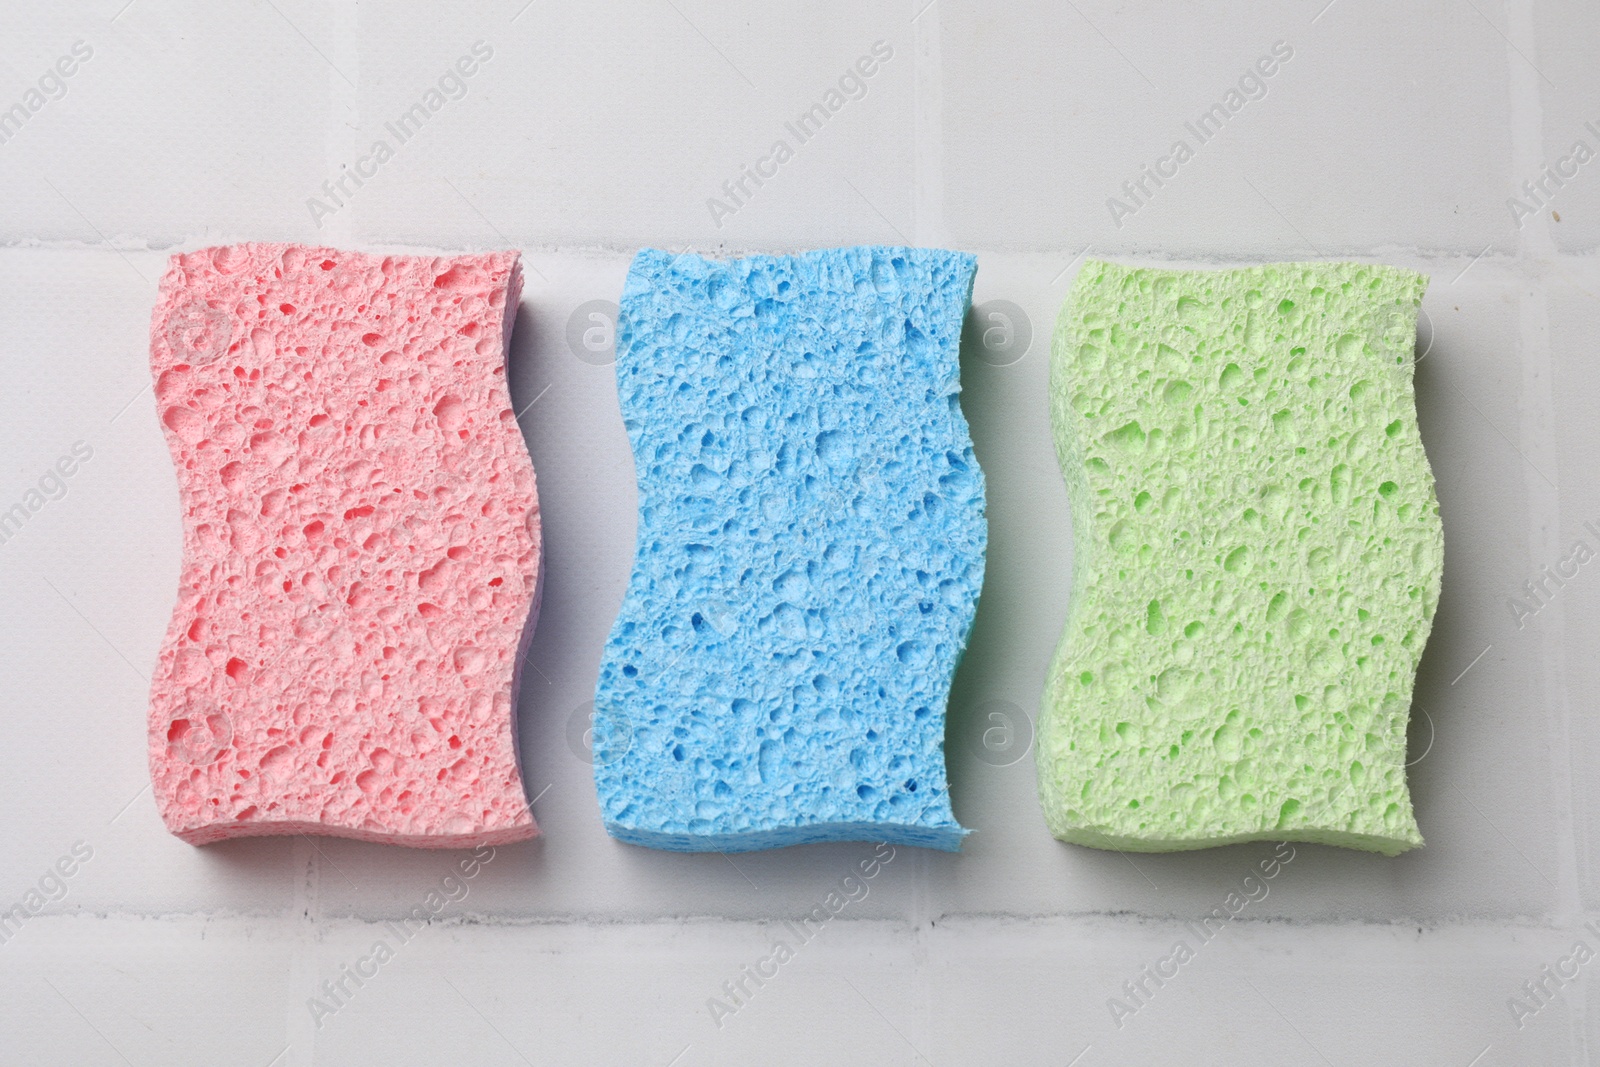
<point x="1395" y="134"/>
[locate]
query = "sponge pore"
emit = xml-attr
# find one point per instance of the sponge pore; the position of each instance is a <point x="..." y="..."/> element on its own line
<point x="1257" y="558"/>
<point x="810" y="551"/>
<point x="361" y="547"/>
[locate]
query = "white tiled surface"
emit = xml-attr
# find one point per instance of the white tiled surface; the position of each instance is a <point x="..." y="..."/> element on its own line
<point x="1395" y="132"/>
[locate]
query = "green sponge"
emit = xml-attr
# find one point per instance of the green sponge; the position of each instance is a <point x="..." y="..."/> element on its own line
<point x="1257" y="558"/>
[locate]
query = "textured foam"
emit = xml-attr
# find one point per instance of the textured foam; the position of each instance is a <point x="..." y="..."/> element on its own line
<point x="810" y="551"/>
<point x="361" y="547"/>
<point x="1257" y="558"/>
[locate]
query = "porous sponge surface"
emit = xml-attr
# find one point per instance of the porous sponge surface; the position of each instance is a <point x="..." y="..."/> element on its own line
<point x="810" y="551"/>
<point x="361" y="547"/>
<point x="1258" y="555"/>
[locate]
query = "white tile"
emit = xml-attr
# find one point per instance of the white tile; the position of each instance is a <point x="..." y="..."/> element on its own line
<point x="1568" y="90"/>
<point x="1386" y="128"/>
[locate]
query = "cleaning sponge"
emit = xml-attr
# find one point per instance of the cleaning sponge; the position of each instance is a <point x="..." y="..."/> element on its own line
<point x="361" y="547"/>
<point x="1257" y="558"/>
<point x="810" y="551"/>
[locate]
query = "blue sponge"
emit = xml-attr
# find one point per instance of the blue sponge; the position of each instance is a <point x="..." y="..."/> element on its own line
<point x="810" y="551"/>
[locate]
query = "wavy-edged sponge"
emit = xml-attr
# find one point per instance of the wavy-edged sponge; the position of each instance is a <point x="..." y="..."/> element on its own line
<point x="361" y="548"/>
<point x="1257" y="558"/>
<point x="810" y="551"/>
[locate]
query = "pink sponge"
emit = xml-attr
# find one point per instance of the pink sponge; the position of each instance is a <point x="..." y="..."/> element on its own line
<point x="361" y="549"/>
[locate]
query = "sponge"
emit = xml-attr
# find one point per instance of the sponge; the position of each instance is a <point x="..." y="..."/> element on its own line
<point x="1258" y="553"/>
<point x="361" y="547"/>
<point x="810" y="551"/>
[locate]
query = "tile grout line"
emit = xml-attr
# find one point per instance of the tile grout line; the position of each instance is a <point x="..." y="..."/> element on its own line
<point x="1536" y="434"/>
<point x="927" y="229"/>
<point x="343" y="131"/>
<point x="927" y="172"/>
<point x="1575" y="265"/>
<point x="299" y="1032"/>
